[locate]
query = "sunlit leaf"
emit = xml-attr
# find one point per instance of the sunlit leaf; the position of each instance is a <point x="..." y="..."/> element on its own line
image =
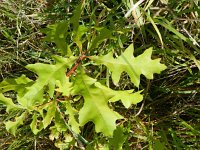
<point x="95" y="106"/>
<point x="127" y="97"/>
<point x="48" y="77"/>
<point x="133" y="66"/>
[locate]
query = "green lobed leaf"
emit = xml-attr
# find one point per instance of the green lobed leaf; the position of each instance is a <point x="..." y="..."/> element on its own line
<point x="104" y="33"/>
<point x="54" y="133"/>
<point x="64" y="88"/>
<point x="127" y="97"/>
<point x="17" y="84"/>
<point x="48" y="77"/>
<point x="95" y="106"/>
<point x="78" y="31"/>
<point x="78" y="34"/>
<point x="134" y="66"/>
<point x="96" y="99"/>
<point x="60" y="122"/>
<point x="8" y="102"/>
<point x="50" y="114"/>
<point x="76" y="16"/>
<point x="36" y="125"/>
<point x="11" y="126"/>
<point x="72" y="120"/>
<point x="118" y="139"/>
<point x="57" y="33"/>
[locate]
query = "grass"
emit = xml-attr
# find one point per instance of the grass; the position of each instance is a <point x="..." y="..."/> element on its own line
<point x="170" y="116"/>
<point x="20" y="38"/>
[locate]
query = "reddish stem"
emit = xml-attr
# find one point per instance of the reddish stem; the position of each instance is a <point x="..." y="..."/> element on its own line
<point x="78" y="61"/>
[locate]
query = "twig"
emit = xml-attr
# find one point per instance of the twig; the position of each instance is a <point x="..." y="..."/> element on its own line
<point x="78" y="61"/>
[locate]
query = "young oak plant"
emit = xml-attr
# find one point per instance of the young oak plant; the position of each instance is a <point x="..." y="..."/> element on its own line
<point x="52" y="98"/>
<point x="42" y="94"/>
